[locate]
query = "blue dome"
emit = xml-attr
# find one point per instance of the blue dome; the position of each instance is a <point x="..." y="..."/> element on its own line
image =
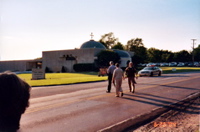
<point x="122" y="53"/>
<point x="92" y="44"/>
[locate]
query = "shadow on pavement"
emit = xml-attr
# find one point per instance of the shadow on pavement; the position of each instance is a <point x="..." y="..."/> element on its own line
<point x="166" y="76"/>
<point x="178" y="87"/>
<point x="160" y="102"/>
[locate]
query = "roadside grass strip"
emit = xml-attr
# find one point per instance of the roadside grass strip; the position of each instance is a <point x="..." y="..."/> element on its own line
<point x="179" y="69"/>
<point x="62" y="78"/>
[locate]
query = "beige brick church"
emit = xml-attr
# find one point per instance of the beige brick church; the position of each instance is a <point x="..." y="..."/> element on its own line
<point x="56" y="61"/>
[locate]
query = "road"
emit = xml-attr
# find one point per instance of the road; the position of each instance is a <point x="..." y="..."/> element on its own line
<point x="87" y="107"/>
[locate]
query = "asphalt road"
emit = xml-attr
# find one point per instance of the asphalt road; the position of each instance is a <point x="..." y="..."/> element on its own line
<point x="88" y="108"/>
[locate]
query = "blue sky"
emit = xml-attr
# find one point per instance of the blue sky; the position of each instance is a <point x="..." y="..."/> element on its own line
<point x="29" y="27"/>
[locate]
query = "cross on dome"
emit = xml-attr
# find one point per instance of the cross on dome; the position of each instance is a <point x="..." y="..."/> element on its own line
<point x="91" y="36"/>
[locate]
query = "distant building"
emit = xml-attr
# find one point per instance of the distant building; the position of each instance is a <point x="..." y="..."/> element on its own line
<point x="56" y="61"/>
<point x="20" y="65"/>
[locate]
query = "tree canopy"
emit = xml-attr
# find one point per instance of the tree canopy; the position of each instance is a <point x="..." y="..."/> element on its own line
<point x="108" y="40"/>
<point x="133" y="44"/>
<point x="197" y="53"/>
<point x="143" y="54"/>
<point x="105" y="56"/>
<point x="140" y="52"/>
<point x="118" y="46"/>
<point x="182" y="56"/>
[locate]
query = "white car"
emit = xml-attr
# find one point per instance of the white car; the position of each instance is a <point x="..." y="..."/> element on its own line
<point x="181" y="64"/>
<point x="173" y="64"/>
<point x="150" y="71"/>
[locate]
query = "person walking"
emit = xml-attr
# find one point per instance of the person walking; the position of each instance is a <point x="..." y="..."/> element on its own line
<point x="131" y="74"/>
<point x="14" y="99"/>
<point x="118" y="75"/>
<point x="110" y="70"/>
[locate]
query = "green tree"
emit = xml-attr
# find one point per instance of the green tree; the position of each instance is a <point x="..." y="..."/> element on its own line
<point x="108" y="40"/>
<point x="140" y="52"/>
<point x="154" y="55"/>
<point x="197" y="53"/>
<point x="182" y="56"/>
<point x="105" y="56"/>
<point x="134" y="43"/>
<point x="118" y="46"/>
<point x="166" y="56"/>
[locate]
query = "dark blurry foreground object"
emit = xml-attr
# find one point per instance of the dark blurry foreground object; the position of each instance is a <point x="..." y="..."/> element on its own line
<point x="14" y="99"/>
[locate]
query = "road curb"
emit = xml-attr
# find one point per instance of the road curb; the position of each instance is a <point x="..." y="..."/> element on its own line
<point x="137" y="120"/>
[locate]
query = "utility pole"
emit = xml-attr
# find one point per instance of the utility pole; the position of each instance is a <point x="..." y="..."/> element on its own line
<point x="193" y="50"/>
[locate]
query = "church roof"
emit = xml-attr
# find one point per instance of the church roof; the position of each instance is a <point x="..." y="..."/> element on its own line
<point x="92" y="44"/>
<point x="122" y="53"/>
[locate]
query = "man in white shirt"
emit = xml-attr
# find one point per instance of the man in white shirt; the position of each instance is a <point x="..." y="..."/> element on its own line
<point x="118" y="75"/>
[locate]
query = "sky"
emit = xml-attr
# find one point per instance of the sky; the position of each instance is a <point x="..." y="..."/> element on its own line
<point x="28" y="27"/>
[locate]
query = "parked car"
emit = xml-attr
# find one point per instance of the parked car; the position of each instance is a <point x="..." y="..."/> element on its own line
<point x="164" y="64"/>
<point x="144" y="64"/>
<point x="173" y="64"/>
<point x="150" y="71"/>
<point x="197" y="64"/>
<point x="151" y="64"/>
<point x="181" y="64"/>
<point x="190" y="64"/>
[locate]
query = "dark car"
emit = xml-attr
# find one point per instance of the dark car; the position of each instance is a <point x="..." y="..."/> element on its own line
<point x="150" y="71"/>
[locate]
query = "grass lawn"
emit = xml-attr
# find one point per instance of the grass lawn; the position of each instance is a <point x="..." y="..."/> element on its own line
<point x="179" y="69"/>
<point x="62" y="78"/>
<point x="71" y="78"/>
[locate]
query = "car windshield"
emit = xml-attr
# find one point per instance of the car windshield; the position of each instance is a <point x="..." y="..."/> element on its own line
<point x="148" y="68"/>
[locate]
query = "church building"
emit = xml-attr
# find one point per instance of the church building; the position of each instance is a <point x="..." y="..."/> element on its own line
<point x="56" y="61"/>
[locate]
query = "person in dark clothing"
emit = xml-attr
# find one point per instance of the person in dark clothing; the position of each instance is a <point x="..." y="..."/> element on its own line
<point x="110" y="70"/>
<point x="14" y="99"/>
<point x="131" y="74"/>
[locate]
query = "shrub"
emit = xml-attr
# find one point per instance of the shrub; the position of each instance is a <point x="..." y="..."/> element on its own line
<point x="82" y="67"/>
<point x="64" y="69"/>
<point x="47" y="70"/>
